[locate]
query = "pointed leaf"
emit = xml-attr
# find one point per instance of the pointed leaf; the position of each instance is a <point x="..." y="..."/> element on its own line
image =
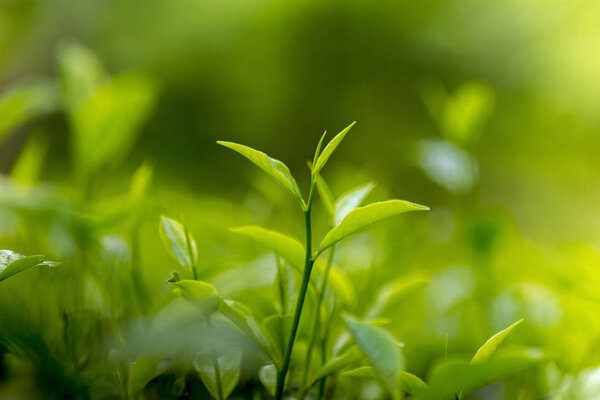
<point x="350" y="200"/>
<point x="489" y="347"/>
<point x="12" y="263"/>
<point x="336" y="364"/>
<point x="407" y="382"/>
<point x="174" y="238"/>
<point x="229" y="370"/>
<point x="455" y="376"/>
<point x="380" y="347"/>
<point x="279" y="327"/>
<point x="142" y="371"/>
<point x="330" y="148"/>
<point x="202" y="295"/>
<point x="362" y="217"/>
<point x="268" y="377"/>
<point x="244" y="320"/>
<point x="318" y="150"/>
<point x="274" y="168"/>
<point x="287" y="247"/>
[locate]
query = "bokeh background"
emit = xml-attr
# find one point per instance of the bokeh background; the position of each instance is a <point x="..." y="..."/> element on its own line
<point x="488" y="112"/>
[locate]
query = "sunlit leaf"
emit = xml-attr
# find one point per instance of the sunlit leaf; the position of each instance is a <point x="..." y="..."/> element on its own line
<point x="318" y="150"/>
<point x="452" y="377"/>
<point x="380" y="347"/>
<point x="330" y="148"/>
<point x="202" y="295"/>
<point x="362" y="217"/>
<point x="106" y="125"/>
<point x="243" y="319"/>
<point x="174" y="238"/>
<point x="12" y="263"/>
<point x="268" y="377"/>
<point x="350" y="200"/>
<point x="229" y="373"/>
<point x="489" y="347"/>
<point x="274" y="168"/>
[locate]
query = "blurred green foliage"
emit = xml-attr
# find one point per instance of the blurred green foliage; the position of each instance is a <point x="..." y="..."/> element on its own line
<point x="485" y="111"/>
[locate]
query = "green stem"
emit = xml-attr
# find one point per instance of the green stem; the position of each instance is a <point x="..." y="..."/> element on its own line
<point x="315" y="329"/>
<point x="308" y="264"/>
<point x="282" y="284"/>
<point x="215" y="362"/>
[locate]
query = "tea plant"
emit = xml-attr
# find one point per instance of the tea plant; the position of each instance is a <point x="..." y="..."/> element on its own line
<point x="346" y="218"/>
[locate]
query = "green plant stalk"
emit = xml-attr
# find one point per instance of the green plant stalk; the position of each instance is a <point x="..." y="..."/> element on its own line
<point x="323" y="381"/>
<point x="280" y="278"/>
<point x="215" y="363"/>
<point x="315" y="329"/>
<point x="308" y="264"/>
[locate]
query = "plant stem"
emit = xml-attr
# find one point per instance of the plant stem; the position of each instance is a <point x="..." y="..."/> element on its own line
<point x="215" y="362"/>
<point x="282" y="284"/>
<point x="315" y="329"/>
<point x="308" y="264"/>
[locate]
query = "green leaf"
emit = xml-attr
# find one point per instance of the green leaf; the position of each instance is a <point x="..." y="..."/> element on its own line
<point x="290" y="249"/>
<point x="274" y="168"/>
<point x="318" y="151"/>
<point x="106" y="125"/>
<point x="244" y="320"/>
<point x="350" y="200"/>
<point x="268" y="377"/>
<point x="394" y="291"/>
<point x="174" y="238"/>
<point x="455" y="376"/>
<point x="287" y="247"/>
<point x="411" y="384"/>
<point x="338" y="363"/>
<point x="362" y="217"/>
<point x="489" y="347"/>
<point x="380" y="347"/>
<point x="142" y="371"/>
<point x="229" y="370"/>
<point x="80" y="75"/>
<point x="279" y="327"/>
<point x="407" y="382"/>
<point x="24" y="103"/>
<point x="202" y="295"/>
<point x="330" y="148"/>
<point x="12" y="263"/>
